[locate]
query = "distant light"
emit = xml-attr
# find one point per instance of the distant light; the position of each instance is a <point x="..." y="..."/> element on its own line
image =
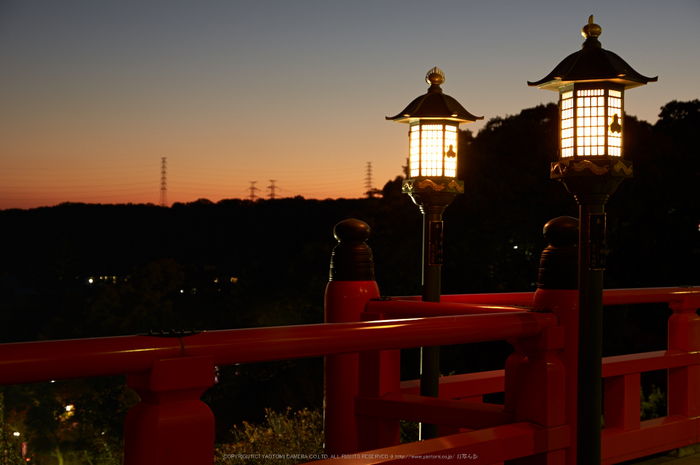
<point x="90" y="280"/>
<point x="69" y="408"/>
<point x="515" y="246"/>
<point x="16" y="434"/>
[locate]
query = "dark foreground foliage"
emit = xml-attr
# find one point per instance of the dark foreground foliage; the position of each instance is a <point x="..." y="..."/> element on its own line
<point x="284" y="438"/>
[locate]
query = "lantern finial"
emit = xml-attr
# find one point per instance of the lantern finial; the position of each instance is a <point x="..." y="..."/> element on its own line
<point x="591" y="29"/>
<point x="435" y="76"/>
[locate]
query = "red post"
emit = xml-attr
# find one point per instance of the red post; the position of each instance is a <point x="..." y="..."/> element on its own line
<point x="511" y="379"/>
<point x="621" y="409"/>
<point x="541" y="391"/>
<point x="541" y="379"/>
<point x="557" y="293"/>
<point x="350" y="287"/>
<point x="171" y="426"/>
<point x="684" y="335"/>
<point x="379" y="375"/>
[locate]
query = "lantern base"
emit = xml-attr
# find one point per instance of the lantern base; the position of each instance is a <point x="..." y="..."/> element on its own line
<point x="588" y="167"/>
<point x="440" y="191"/>
<point x="591" y="178"/>
<point x="419" y="185"/>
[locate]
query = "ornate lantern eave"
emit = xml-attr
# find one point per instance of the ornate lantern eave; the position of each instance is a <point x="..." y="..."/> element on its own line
<point x="592" y="64"/>
<point x="434" y="105"/>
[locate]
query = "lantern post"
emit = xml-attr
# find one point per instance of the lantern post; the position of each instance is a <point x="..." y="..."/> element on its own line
<point x="591" y="85"/>
<point x="432" y="183"/>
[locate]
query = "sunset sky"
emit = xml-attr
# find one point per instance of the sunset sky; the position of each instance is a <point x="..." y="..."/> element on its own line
<point x="94" y="93"/>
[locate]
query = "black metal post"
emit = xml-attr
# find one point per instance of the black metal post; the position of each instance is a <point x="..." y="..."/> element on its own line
<point x="432" y="269"/>
<point x="591" y="188"/>
<point x="590" y="352"/>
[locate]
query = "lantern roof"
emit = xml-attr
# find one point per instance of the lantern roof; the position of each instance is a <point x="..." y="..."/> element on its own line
<point x="593" y="64"/>
<point x="434" y="104"/>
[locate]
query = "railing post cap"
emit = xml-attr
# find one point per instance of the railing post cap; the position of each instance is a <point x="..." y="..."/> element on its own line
<point x="559" y="261"/>
<point x="561" y="231"/>
<point x="351" y="230"/>
<point x="352" y="258"/>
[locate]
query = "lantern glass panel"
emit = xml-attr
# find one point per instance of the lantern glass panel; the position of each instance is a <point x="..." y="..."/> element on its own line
<point x="614" y="123"/>
<point x="590" y="122"/>
<point x="450" y="148"/>
<point x="431" y="149"/>
<point x="567" y="124"/>
<point x="414" y="153"/>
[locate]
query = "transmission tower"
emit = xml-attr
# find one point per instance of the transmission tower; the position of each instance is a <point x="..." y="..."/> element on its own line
<point x="368" y="181"/>
<point x="252" y="197"/>
<point x="272" y="188"/>
<point x="163" y="183"/>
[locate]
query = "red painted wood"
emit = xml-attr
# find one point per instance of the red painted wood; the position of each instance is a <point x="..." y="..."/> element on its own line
<point x="532" y="377"/>
<point x="289" y="342"/>
<point x="464" y="385"/>
<point x="171" y="426"/>
<point x="379" y="376"/>
<point x="649" y="295"/>
<point x="564" y="304"/>
<point x="34" y="362"/>
<point x="436" y="411"/>
<point x="541" y="379"/>
<point x="511" y="376"/>
<point x="684" y="336"/>
<point x="344" y="302"/>
<point x="396" y="308"/>
<point x="610" y="296"/>
<point x="646" y="361"/>
<point x="487" y="446"/>
<point x="657" y="435"/>
<point x="622" y="402"/>
<point x="44" y="361"/>
<point x="504" y="298"/>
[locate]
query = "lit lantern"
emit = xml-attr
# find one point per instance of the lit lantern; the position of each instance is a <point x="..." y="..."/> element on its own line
<point x="433" y="133"/>
<point x="433" y="120"/>
<point x="591" y="85"/>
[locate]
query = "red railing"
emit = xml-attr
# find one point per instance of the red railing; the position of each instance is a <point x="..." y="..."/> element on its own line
<point x="172" y="426"/>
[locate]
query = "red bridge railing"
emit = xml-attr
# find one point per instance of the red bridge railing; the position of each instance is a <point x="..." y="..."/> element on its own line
<point x="171" y="373"/>
<point x="365" y="399"/>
